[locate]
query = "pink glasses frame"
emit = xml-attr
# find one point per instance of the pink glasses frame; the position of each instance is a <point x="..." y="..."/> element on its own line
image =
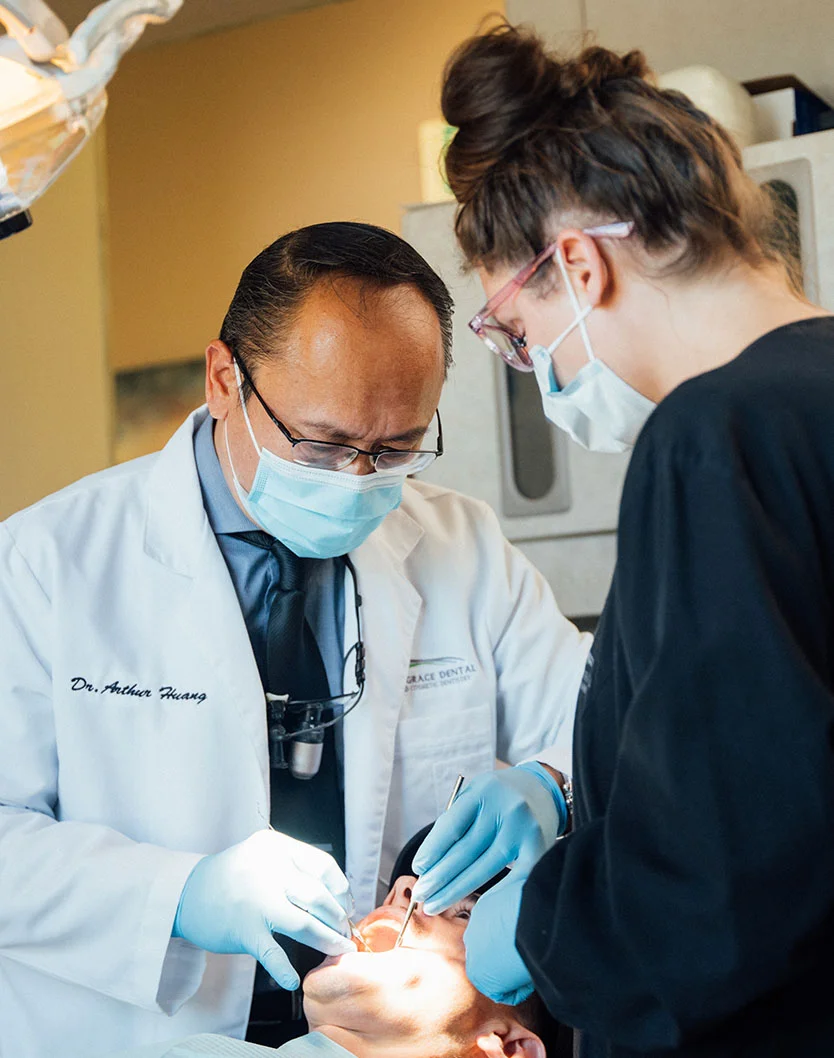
<point x="519" y="358"/>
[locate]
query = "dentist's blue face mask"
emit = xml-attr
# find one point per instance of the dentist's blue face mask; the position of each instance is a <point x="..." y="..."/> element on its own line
<point x="316" y="513"/>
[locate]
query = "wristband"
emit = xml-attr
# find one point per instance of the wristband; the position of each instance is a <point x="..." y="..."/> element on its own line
<point x="555" y="790"/>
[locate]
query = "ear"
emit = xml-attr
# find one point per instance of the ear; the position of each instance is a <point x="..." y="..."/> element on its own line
<point x="510" y="1040"/>
<point x="221" y="385"/>
<point x="587" y="267"/>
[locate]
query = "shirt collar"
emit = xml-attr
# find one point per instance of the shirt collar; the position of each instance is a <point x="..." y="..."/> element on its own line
<point x="224" y="514"/>
<point x="311" y="1046"/>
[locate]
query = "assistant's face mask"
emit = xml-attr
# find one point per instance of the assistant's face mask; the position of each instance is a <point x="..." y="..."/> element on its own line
<point x="597" y="408"/>
<point x="316" y="513"/>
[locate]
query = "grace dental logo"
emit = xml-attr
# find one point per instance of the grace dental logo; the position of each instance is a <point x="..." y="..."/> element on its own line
<point x="427" y="673"/>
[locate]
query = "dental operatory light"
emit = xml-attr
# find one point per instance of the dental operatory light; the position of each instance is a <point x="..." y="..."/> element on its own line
<point x="52" y="90"/>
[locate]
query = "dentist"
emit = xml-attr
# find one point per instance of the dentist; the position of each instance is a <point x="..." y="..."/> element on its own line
<point x="237" y="675"/>
<point x="633" y="266"/>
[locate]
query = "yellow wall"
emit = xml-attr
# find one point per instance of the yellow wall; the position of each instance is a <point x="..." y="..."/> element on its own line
<point x="219" y="144"/>
<point x="56" y="421"/>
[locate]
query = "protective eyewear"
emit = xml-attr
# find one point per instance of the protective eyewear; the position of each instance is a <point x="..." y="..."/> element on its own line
<point x="503" y="340"/>
<point x="330" y="455"/>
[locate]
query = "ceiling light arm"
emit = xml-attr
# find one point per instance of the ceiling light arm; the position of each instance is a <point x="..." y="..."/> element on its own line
<point x="118" y="21"/>
<point x="35" y="27"/>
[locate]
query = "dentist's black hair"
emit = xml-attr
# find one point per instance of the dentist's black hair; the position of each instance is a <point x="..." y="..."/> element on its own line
<point x="274" y="286"/>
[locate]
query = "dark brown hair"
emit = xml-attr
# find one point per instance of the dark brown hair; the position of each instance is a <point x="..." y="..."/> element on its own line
<point x="590" y="136"/>
<point x="275" y="284"/>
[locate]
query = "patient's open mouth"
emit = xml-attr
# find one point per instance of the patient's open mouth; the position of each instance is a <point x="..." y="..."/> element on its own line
<point x="379" y="929"/>
<point x="394" y="915"/>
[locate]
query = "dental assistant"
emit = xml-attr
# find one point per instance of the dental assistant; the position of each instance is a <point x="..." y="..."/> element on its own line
<point x="631" y="264"/>
<point x="237" y="675"/>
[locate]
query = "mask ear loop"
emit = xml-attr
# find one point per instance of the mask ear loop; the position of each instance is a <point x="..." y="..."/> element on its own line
<point x="578" y="322"/>
<point x="581" y="314"/>
<point x="229" y="455"/>
<point x="248" y="424"/>
<point x="239" y="382"/>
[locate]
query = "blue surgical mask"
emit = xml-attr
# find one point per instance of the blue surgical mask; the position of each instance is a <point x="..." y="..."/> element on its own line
<point x="597" y="408"/>
<point x="316" y="513"/>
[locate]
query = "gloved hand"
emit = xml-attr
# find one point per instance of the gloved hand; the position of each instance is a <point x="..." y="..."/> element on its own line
<point x="233" y="902"/>
<point x="513" y="815"/>
<point x="493" y="964"/>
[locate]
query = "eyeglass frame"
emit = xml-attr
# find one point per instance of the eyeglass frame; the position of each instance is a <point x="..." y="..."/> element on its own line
<point x="520" y="358"/>
<point x="372" y="456"/>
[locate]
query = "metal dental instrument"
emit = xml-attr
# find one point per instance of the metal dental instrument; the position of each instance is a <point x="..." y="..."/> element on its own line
<point x="357" y="937"/>
<point x="412" y="906"/>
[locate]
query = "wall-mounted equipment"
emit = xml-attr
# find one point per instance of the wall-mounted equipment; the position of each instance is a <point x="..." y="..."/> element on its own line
<point x="798" y="173"/>
<point x="786" y="107"/>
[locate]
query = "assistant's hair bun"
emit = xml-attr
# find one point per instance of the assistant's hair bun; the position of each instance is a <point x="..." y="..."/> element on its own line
<point x="501" y="75"/>
<point x="595" y="66"/>
<point x="501" y="85"/>
<point x="492" y="87"/>
<point x="545" y="140"/>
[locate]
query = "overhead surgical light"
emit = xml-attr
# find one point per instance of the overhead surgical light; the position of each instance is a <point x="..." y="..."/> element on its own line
<point x="52" y="90"/>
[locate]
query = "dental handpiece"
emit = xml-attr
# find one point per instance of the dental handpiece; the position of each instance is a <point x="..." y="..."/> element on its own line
<point x="413" y="904"/>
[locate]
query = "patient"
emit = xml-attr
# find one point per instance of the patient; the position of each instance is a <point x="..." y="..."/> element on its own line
<point x="416" y="1001"/>
<point x="411" y="1002"/>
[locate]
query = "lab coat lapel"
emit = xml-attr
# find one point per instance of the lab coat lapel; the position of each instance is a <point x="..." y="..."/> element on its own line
<point x="391" y="608"/>
<point x="221" y="635"/>
<point x="178" y="534"/>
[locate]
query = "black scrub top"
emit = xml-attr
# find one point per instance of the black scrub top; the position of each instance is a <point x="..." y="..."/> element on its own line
<point x="691" y="911"/>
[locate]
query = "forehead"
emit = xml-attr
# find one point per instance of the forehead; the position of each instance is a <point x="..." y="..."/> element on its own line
<point x="351" y="320"/>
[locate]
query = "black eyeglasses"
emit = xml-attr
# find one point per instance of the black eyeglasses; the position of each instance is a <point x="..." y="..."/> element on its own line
<point x="330" y="455"/>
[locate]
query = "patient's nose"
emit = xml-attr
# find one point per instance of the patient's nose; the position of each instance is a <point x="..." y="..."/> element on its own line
<point x="400" y="895"/>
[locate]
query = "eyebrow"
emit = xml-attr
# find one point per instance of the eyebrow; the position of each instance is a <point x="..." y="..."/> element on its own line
<point x="327" y="431"/>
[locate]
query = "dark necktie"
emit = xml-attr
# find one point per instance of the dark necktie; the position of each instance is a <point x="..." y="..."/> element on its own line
<point x="293" y="662"/>
<point x="310" y="810"/>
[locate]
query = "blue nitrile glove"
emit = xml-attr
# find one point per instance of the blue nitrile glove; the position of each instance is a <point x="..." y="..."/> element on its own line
<point x="513" y="815"/>
<point x="493" y="964"/>
<point x="235" y="900"/>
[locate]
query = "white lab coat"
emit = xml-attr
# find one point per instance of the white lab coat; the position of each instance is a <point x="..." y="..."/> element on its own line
<point x="111" y="788"/>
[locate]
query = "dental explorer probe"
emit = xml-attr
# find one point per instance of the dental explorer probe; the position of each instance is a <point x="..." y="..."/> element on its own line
<point x="412" y="906"/>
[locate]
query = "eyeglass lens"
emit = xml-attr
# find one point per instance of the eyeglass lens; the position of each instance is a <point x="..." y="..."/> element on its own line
<point x="509" y="347"/>
<point x="337" y="457"/>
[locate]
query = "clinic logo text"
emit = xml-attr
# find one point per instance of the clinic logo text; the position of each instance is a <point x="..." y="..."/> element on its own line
<point x="131" y="690"/>
<point x="428" y="673"/>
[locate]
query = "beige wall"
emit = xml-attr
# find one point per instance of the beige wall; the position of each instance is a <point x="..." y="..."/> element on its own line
<point x="745" y="39"/>
<point x="219" y="144"/>
<point x="56" y="421"/>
